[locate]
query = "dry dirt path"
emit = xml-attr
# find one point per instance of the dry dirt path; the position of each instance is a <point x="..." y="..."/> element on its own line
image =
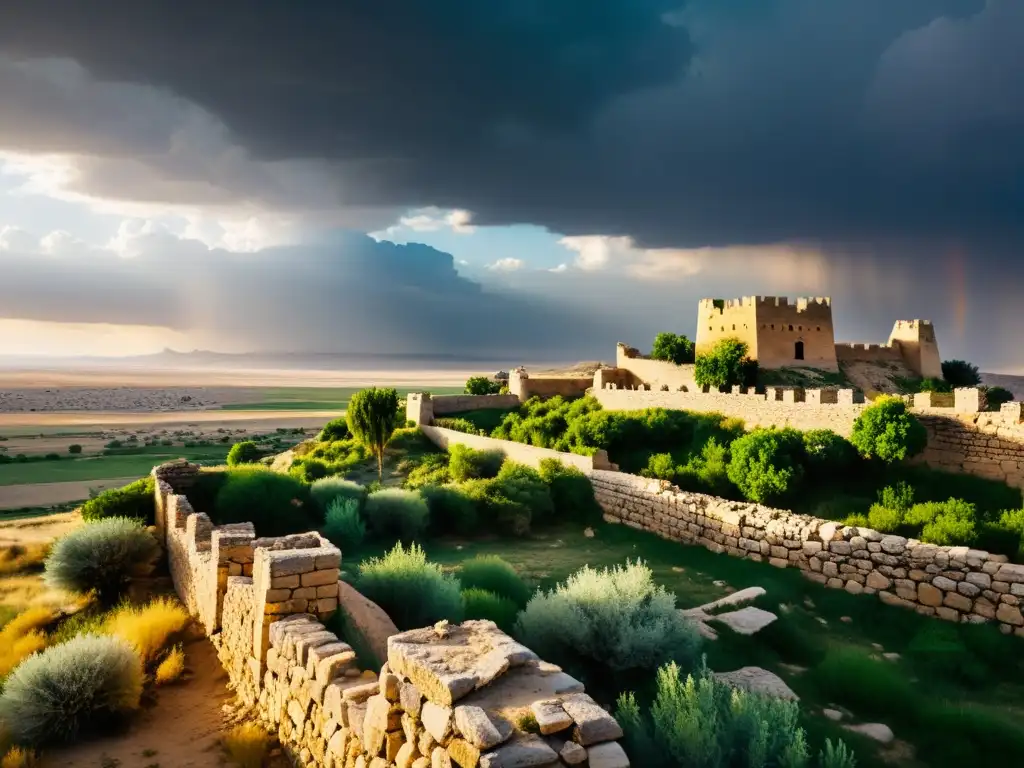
<point x="49" y="494"/>
<point x="180" y="730"/>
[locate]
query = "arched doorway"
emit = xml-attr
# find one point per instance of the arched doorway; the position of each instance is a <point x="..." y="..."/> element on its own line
<point x="798" y="352"/>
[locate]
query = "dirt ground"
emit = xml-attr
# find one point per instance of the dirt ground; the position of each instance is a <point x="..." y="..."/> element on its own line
<point x="50" y="494"/>
<point x="181" y="729"/>
<point x="35" y="529"/>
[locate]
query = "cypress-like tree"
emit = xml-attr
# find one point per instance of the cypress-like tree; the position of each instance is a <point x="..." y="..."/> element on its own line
<point x="372" y="418"/>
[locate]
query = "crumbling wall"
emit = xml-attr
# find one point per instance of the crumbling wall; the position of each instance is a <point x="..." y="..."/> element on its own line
<point x="446" y="696"/>
<point x="524" y="385"/>
<point x="952" y="583"/>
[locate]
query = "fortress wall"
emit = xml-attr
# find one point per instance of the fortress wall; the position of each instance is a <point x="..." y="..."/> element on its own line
<point x="868" y="353"/>
<point x="780" y="325"/>
<point x="657" y="374"/>
<point x="518" y="452"/>
<point x="727" y="319"/>
<point x="525" y="386"/>
<point x="757" y="410"/>
<point x="960" y="438"/>
<point x="444" y="405"/>
<point x="952" y="583"/>
<point x="263" y="602"/>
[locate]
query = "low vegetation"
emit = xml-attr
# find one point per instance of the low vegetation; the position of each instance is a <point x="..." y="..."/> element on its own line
<point x="135" y="500"/>
<point x="481" y="385"/>
<point x="672" y="348"/>
<point x="244" y="452"/>
<point x="247" y="745"/>
<point x="411" y="590"/>
<point x="725" y="365"/>
<point x="101" y="558"/>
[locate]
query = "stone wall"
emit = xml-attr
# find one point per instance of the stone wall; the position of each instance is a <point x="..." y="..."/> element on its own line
<point x="444" y="405"/>
<point x="446" y="695"/>
<point x="524" y="385"/>
<point x="962" y="437"/>
<point x="639" y="369"/>
<point x="953" y="583"/>
<point x="519" y="452"/>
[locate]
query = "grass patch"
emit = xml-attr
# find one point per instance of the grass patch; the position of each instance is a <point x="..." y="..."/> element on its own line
<point x="104" y="467"/>
<point x="246" y="745"/>
<point x="317" y="398"/>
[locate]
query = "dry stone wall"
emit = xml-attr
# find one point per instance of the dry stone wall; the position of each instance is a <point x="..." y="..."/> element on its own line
<point x="953" y="583"/>
<point x="518" y="452"/>
<point x="447" y="695"/>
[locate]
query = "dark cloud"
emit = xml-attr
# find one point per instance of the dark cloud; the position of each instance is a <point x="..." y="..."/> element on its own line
<point x="716" y="123"/>
<point x="348" y="293"/>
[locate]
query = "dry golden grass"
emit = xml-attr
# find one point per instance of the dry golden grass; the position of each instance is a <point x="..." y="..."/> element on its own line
<point x="149" y="628"/>
<point x="23" y="558"/>
<point x="172" y="667"/>
<point x="22" y="636"/>
<point x="17" y="757"/>
<point x="246" y="745"/>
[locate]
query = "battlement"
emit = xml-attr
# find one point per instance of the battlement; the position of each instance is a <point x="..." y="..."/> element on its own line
<point x="800" y="304"/>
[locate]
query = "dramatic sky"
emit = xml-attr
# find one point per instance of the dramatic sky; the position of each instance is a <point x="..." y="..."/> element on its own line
<point x="507" y="176"/>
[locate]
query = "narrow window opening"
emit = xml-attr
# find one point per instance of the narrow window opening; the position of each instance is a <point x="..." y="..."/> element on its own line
<point x="799" y="351"/>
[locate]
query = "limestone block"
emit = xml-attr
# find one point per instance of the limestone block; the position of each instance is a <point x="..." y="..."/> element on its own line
<point x="982" y="580"/>
<point x="609" y="755"/>
<point x="592" y="724"/>
<point x="551" y="717"/>
<point x="406" y="756"/>
<point x="439" y="759"/>
<point x="757" y="680"/>
<point x="426" y="743"/>
<point x="411" y="699"/>
<point x="1011" y="573"/>
<point x="876" y="580"/>
<point x="463" y="753"/>
<point x="285" y="582"/>
<point x="526" y="750"/>
<point x="894" y="545"/>
<point x="572" y="753"/>
<point x="928" y="595"/>
<point x="304" y="642"/>
<point x="476" y="727"/>
<point x="360" y="693"/>
<point x="289" y="562"/>
<point x="437" y="720"/>
<point x="1010" y="614"/>
<point x="957" y="601"/>
<point x="393" y="742"/>
<point x="320" y="578"/>
<point x="943" y="583"/>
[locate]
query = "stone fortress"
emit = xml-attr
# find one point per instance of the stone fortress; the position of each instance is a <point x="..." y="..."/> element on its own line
<point x="780" y="334"/>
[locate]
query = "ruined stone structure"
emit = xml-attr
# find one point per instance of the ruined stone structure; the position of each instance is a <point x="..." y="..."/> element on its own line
<point x="446" y="696"/>
<point x="952" y="583"/>
<point x="779" y="334"/>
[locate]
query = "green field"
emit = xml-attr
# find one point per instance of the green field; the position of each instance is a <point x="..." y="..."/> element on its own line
<point x="102" y="467"/>
<point x="317" y="398"/>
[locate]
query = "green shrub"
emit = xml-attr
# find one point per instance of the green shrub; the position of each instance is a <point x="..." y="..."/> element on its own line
<point x="274" y="503"/>
<point x="1006" y="535"/>
<point x="672" y="348"/>
<point x="309" y="470"/>
<point x="899" y="497"/>
<point x="466" y="463"/>
<point x="328" y="489"/>
<point x="136" y="500"/>
<point x="481" y="604"/>
<point x="101" y="557"/>
<point x="76" y="448"/>
<point x="335" y="429"/>
<point x="343" y="524"/>
<point x="938" y="652"/>
<point x="886" y="431"/>
<point x="766" y="464"/>
<point x="571" y="492"/>
<point x="481" y="385"/>
<point x="708" y="472"/>
<point x="507" y="516"/>
<point x="703" y="722"/>
<point x="934" y="385"/>
<point x="373" y="416"/>
<point x="412" y="591"/>
<point x="619" y="618"/>
<point x="960" y="373"/>
<point x="996" y="396"/>
<point x="458" y="425"/>
<point x="836" y="756"/>
<point x="951" y="522"/>
<point x="661" y="466"/>
<point x="451" y="510"/>
<point x="396" y="514"/>
<point x="69" y="690"/>
<point x="430" y="469"/>
<point x="827" y="452"/>
<point x="491" y="573"/>
<point x="245" y="452"/>
<point x="726" y="365"/>
<point x="884" y="519"/>
<point x="524" y="485"/>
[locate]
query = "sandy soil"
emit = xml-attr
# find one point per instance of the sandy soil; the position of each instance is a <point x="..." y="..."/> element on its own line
<point x="209" y="419"/>
<point x="233" y="379"/>
<point x="34" y="529"/>
<point x="180" y="730"/>
<point x="49" y="494"/>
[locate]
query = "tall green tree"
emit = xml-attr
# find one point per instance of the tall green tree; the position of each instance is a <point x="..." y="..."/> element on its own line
<point x="960" y="373"/>
<point x="672" y="348"/>
<point x="725" y="365"/>
<point x="372" y="418"/>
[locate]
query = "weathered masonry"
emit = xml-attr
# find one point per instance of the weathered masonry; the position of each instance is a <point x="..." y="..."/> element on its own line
<point x="446" y="696"/>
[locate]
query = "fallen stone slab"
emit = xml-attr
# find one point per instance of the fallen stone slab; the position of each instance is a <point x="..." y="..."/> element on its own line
<point x="593" y="724"/>
<point x="476" y="727"/>
<point x="607" y="755"/>
<point x="525" y="751"/>
<point x="448" y="662"/>
<point x="740" y="597"/>
<point x="758" y="680"/>
<point x="746" y="621"/>
<point x="551" y="717"/>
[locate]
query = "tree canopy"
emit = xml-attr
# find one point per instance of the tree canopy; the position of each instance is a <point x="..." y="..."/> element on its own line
<point x="372" y="418"/>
